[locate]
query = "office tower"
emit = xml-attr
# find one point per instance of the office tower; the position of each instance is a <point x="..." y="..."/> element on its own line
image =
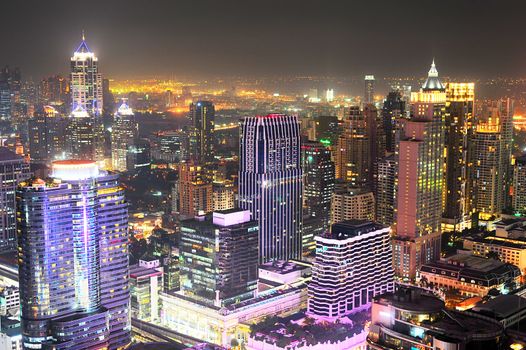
<point x="270" y="183"/>
<point x="73" y="259"/>
<point x="47" y="135"/>
<point x="13" y="169"/>
<point x="202" y="115"/>
<point x="412" y="318"/>
<point x="385" y="190"/>
<point x="195" y="190"/>
<point x="353" y="152"/>
<point x="368" y="96"/>
<point x="318" y="185"/>
<point x="10" y="89"/>
<point x="519" y="186"/>
<point x="460" y="99"/>
<point x="146" y="281"/>
<point x="353" y="265"/>
<point x="108" y="104"/>
<point x="124" y="134"/>
<point x="352" y="203"/>
<point x="492" y="142"/>
<point x="172" y="145"/>
<point x="420" y="180"/>
<point x="85" y="136"/>
<point x="223" y="194"/>
<point x="394" y="108"/>
<point x="328" y="129"/>
<point x="219" y="255"/>
<point x="86" y="81"/>
<point x="139" y="156"/>
<point x="54" y="90"/>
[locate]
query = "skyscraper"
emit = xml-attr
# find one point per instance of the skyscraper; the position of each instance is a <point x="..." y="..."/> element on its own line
<point x="385" y="190"/>
<point x="124" y="134"/>
<point x="85" y="136"/>
<point x="195" y="190"/>
<point x="394" y="107"/>
<point x="10" y="90"/>
<point x="368" y="96"/>
<point x="73" y="256"/>
<point x="47" y="135"/>
<point x="219" y="255"/>
<point x="420" y="180"/>
<point x="458" y="134"/>
<point x="13" y="169"/>
<point x="519" y="186"/>
<point x="86" y="81"/>
<point x="353" y="265"/>
<point x="202" y="115"/>
<point x="270" y="183"/>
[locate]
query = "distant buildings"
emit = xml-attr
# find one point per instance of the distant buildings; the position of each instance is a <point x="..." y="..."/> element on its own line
<point x="13" y="169"/>
<point x="10" y="92"/>
<point x="394" y="108"/>
<point x="124" y="134"/>
<point x="73" y="228"/>
<point x="420" y="180"/>
<point x="47" y="135"/>
<point x="353" y="264"/>
<point x="86" y="81"/>
<point x="270" y="183"/>
<point x="519" y="186"/>
<point x="219" y="255"/>
<point x="368" y="96"/>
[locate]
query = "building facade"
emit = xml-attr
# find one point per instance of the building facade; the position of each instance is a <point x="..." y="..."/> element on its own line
<point x="202" y="115"/>
<point x="352" y="204"/>
<point x="195" y="190"/>
<point x="124" y="135"/>
<point x="271" y="183"/>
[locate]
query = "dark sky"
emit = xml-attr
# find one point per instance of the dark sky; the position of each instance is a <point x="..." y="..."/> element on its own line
<point x="209" y="38"/>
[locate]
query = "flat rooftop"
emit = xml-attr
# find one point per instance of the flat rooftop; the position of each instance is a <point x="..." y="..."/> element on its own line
<point x="137" y="271"/>
<point x="352" y="228"/>
<point x="502" y="306"/>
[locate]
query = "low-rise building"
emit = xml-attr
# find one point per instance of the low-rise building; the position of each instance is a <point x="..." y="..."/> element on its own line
<point x="146" y="281"/>
<point x="470" y="275"/>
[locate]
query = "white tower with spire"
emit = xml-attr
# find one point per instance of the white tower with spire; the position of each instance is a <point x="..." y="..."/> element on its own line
<point x="86" y="81"/>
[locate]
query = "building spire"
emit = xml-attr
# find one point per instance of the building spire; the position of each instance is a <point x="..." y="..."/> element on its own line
<point x="83" y="35"/>
<point x="433" y="71"/>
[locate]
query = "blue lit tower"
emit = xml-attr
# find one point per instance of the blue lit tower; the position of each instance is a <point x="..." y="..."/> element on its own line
<point x="86" y="81"/>
<point x="73" y="265"/>
<point x="270" y="183"/>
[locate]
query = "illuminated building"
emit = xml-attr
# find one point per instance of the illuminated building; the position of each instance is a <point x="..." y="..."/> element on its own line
<point x="54" y="90"/>
<point x="85" y="136"/>
<point x="519" y="185"/>
<point x="13" y="169"/>
<point x="368" y="96"/>
<point x="139" y="155"/>
<point x="328" y="128"/>
<point x="492" y="142"/>
<point x="318" y="185"/>
<point x="385" y="190"/>
<point x="86" y="81"/>
<point x="171" y="146"/>
<point x="353" y="264"/>
<point x="195" y="190"/>
<point x="329" y="95"/>
<point x="202" y="114"/>
<point x="219" y="254"/>
<point x="351" y="203"/>
<point x="146" y="281"/>
<point x="394" y="108"/>
<point x="460" y="99"/>
<point x="420" y="180"/>
<point x="124" y="134"/>
<point x="10" y="86"/>
<point x="73" y="228"/>
<point x="9" y="301"/>
<point x="223" y="195"/>
<point x="470" y="275"/>
<point x="411" y="319"/>
<point x="47" y="135"/>
<point x="353" y="158"/>
<point x="270" y="183"/>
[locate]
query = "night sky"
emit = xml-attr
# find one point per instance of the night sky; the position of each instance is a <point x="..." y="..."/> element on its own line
<point x="210" y="38"/>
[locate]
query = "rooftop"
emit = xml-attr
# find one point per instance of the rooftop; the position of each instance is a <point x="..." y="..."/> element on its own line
<point x="411" y="299"/>
<point x="6" y="155"/>
<point x="352" y="228"/>
<point x="502" y="306"/>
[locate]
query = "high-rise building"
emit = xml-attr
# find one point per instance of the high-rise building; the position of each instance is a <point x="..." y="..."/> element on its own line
<point x="385" y="190"/>
<point x="139" y="155"/>
<point x="352" y="203"/>
<point x="73" y="259"/>
<point x="54" y="90"/>
<point x="492" y="142"/>
<point x="85" y="136"/>
<point x="394" y="108"/>
<point x="270" y="183"/>
<point x="368" y="96"/>
<point x="13" y="169"/>
<point x="202" y="114"/>
<point x="223" y="195"/>
<point x="171" y="146"/>
<point x="10" y="92"/>
<point x="328" y="129"/>
<point x="353" y="265"/>
<point x="47" y="135"/>
<point x="353" y="157"/>
<point x="86" y="81"/>
<point x="195" y="190"/>
<point x="124" y="134"/>
<point x="219" y="255"/>
<point x="458" y="134"/>
<point x="519" y="186"/>
<point x="420" y="180"/>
